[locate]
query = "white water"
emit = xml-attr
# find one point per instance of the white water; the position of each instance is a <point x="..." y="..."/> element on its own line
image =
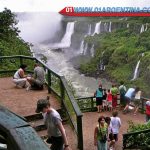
<point x="136" y="70"/>
<point x="89" y="29"/>
<point x="97" y="28"/>
<point x="82" y="47"/>
<point x="142" y="28"/>
<point x="109" y="27"/>
<point x="92" y="50"/>
<point x="59" y="61"/>
<point x="127" y="25"/>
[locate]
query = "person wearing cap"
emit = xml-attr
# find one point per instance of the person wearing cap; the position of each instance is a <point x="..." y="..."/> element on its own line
<point x="53" y="122"/>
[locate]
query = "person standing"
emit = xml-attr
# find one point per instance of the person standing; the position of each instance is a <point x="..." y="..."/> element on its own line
<point x="147" y="110"/>
<point x="109" y="100"/>
<point x="114" y="92"/>
<point x="38" y="80"/>
<point x="99" y="98"/>
<point x="122" y="91"/>
<point x="53" y="122"/>
<point x="100" y="134"/>
<point x="116" y="124"/>
<point x="19" y="77"/>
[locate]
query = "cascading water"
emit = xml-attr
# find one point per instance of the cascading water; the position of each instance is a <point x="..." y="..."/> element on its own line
<point x="142" y="28"/>
<point x="82" y="47"/>
<point x="109" y="27"/>
<point x="89" y="29"/>
<point x="92" y="50"/>
<point x="127" y="25"/>
<point x="97" y="28"/>
<point x="136" y="70"/>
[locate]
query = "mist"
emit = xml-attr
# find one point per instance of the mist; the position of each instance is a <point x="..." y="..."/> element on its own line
<point x="36" y="27"/>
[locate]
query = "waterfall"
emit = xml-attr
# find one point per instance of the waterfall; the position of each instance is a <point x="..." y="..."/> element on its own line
<point x="109" y="27"/>
<point x="82" y="47"/>
<point x="66" y="40"/>
<point x="92" y="50"/>
<point x="85" y="49"/>
<point x="136" y="70"/>
<point x="97" y="28"/>
<point x="142" y="28"/>
<point x="89" y="29"/>
<point x="127" y="25"/>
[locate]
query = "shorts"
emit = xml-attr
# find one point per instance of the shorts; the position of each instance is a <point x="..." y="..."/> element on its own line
<point x="57" y="143"/>
<point x="104" y="103"/>
<point x="37" y="85"/>
<point x="116" y="137"/>
<point x="109" y="103"/>
<point x="99" y="101"/>
<point x="111" y="136"/>
<point x="128" y="100"/>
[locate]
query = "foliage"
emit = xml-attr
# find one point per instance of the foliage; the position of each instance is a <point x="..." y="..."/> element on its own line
<point x="120" y="51"/>
<point x="10" y="42"/>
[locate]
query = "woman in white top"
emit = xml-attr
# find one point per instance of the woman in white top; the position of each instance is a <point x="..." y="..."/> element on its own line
<point x="19" y="77"/>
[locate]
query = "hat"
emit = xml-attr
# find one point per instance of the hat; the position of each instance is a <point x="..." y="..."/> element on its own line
<point x="42" y="103"/>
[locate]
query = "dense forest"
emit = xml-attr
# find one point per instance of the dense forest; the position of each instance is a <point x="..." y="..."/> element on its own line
<point x="120" y="51"/>
<point x="10" y="42"/>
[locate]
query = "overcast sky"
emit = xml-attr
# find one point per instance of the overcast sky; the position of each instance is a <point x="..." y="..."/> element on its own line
<point x="57" y="5"/>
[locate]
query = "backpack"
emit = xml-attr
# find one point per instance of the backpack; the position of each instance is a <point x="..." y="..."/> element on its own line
<point x="122" y="91"/>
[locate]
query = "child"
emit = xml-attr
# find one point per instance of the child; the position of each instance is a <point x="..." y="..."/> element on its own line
<point x="147" y="110"/>
<point x="109" y="100"/>
<point x="104" y="100"/>
<point x="116" y="124"/>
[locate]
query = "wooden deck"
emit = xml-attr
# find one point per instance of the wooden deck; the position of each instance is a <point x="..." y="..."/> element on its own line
<point x="23" y="103"/>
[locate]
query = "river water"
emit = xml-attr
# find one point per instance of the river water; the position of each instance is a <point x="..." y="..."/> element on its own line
<point x="59" y="54"/>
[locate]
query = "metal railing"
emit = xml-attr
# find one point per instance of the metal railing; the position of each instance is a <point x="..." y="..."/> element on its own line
<point x="55" y="83"/>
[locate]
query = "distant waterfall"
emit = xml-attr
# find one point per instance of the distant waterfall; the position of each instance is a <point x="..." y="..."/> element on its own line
<point x="127" y="25"/>
<point x="136" y="70"/>
<point x="97" y="28"/>
<point x="109" y="27"/>
<point x="66" y="40"/>
<point x="142" y="28"/>
<point x="89" y="29"/>
<point x="92" y="50"/>
<point x="146" y="27"/>
<point x="82" y="47"/>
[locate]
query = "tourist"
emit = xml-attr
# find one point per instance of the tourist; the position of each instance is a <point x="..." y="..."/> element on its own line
<point x="19" y="77"/>
<point x="104" y="100"/>
<point x="122" y="91"/>
<point x="38" y="79"/>
<point x="99" y="98"/>
<point x="130" y="95"/>
<point x="114" y="92"/>
<point x="110" y="134"/>
<point x="100" y="134"/>
<point x="53" y="122"/>
<point x="116" y="124"/>
<point x="147" y="112"/>
<point x="109" y="100"/>
<point x="137" y="101"/>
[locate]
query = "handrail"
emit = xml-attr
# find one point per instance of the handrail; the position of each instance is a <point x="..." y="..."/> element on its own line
<point x="63" y="86"/>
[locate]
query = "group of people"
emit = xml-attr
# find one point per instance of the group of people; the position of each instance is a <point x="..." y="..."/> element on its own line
<point x="28" y="81"/>
<point x="106" y="99"/>
<point x="106" y="132"/>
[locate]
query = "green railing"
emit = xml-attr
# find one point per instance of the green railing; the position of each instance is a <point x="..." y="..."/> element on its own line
<point x="137" y="140"/>
<point x="55" y="83"/>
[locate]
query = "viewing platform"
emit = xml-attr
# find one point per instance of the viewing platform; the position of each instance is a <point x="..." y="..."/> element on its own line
<point x="23" y="103"/>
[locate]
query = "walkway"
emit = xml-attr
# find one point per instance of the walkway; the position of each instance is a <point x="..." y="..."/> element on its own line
<point x="23" y="103"/>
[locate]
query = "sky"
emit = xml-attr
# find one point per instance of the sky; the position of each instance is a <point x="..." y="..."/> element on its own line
<point x="57" y="5"/>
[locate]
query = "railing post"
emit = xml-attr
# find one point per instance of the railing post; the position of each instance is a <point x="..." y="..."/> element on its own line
<point x="62" y="92"/>
<point x="49" y="81"/>
<point x="80" y="132"/>
<point x="92" y="105"/>
<point x="142" y="109"/>
<point x="21" y="60"/>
